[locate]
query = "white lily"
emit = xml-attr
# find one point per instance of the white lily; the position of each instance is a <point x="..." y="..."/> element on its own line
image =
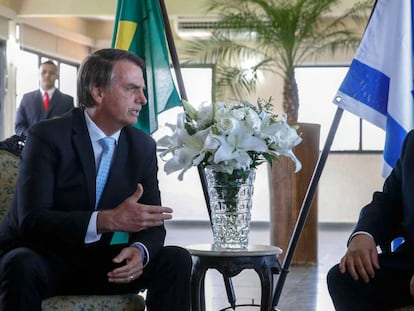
<point x="226" y="137"/>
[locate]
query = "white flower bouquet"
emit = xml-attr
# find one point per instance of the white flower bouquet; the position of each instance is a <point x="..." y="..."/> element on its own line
<point x="227" y="137"/>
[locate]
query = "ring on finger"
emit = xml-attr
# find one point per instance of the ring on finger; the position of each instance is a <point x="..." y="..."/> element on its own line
<point x="131" y="277"/>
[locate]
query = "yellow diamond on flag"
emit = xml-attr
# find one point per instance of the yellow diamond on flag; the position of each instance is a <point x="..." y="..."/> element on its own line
<point x="125" y="34"/>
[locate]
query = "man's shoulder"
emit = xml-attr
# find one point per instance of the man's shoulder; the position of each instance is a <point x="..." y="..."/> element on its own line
<point x="64" y="95"/>
<point x="59" y="123"/>
<point x="409" y="142"/>
<point x="137" y="135"/>
<point x="31" y="93"/>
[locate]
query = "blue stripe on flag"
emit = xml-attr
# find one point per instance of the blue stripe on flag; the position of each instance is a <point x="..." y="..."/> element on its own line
<point x="394" y="138"/>
<point x="367" y="85"/>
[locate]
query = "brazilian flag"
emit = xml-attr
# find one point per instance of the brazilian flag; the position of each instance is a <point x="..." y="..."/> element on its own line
<point x="139" y="28"/>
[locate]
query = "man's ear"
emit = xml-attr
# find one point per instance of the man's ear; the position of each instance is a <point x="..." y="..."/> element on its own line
<point x="97" y="94"/>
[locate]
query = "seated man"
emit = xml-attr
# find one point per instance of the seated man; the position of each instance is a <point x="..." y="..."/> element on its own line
<point x="364" y="279"/>
<point x="63" y="235"/>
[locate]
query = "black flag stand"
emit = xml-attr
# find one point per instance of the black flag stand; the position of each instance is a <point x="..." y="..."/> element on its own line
<point x="304" y="211"/>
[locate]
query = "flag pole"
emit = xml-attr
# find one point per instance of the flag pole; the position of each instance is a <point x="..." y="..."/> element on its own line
<point x="306" y="205"/>
<point x="173" y="50"/>
<point x="176" y="64"/>
<point x="181" y="88"/>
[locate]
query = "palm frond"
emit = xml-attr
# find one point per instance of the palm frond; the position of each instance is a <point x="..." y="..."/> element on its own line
<point x="277" y="35"/>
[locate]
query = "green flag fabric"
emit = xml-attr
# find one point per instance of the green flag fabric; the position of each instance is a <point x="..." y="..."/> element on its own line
<point x="139" y="28"/>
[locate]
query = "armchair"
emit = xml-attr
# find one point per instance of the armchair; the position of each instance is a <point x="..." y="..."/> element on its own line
<point x="9" y="164"/>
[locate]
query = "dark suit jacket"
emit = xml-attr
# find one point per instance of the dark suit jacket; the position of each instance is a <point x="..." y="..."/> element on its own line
<point x="31" y="109"/>
<point x="391" y="211"/>
<point x="55" y="194"/>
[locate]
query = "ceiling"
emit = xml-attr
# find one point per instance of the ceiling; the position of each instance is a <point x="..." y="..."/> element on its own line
<point x="91" y="20"/>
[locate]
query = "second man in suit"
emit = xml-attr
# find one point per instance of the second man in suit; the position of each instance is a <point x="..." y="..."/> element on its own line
<point x="33" y="108"/>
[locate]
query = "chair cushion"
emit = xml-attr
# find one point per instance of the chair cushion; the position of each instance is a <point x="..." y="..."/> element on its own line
<point x="129" y="302"/>
<point x="9" y="167"/>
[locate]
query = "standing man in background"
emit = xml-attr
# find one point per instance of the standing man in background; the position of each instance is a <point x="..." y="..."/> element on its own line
<point x="45" y="103"/>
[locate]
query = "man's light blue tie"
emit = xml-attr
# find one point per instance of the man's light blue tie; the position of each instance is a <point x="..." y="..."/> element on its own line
<point x="108" y="146"/>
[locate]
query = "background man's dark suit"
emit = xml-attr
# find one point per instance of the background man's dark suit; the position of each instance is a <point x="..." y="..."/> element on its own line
<point x="31" y="109"/>
<point x="59" y="168"/>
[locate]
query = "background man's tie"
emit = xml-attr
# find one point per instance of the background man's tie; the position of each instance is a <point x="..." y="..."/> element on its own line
<point x="108" y="145"/>
<point x="46" y="101"/>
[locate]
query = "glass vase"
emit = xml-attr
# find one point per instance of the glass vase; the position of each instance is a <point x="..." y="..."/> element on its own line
<point x="231" y="202"/>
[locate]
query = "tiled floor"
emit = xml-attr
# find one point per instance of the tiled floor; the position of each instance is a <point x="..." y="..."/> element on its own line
<point x="305" y="286"/>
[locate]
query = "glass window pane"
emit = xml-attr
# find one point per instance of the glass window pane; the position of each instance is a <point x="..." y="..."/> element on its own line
<point x="44" y="59"/>
<point x="67" y="76"/>
<point x="347" y="135"/>
<point x="198" y="83"/>
<point x="317" y="87"/>
<point x="373" y="137"/>
<point x="27" y="74"/>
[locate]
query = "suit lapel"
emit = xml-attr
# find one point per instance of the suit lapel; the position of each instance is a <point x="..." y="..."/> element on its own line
<point x="53" y="102"/>
<point x="83" y="149"/>
<point x="39" y="105"/>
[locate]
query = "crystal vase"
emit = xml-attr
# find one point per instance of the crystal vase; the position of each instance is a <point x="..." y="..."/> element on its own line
<point x="231" y="202"/>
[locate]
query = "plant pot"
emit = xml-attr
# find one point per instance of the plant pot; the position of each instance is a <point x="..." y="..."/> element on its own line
<point x="287" y="194"/>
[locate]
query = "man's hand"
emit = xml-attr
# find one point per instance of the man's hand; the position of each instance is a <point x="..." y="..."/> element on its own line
<point x="131" y="270"/>
<point x="361" y="258"/>
<point x="131" y="216"/>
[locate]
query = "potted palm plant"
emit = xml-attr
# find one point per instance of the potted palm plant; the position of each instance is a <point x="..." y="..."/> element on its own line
<point x="278" y="35"/>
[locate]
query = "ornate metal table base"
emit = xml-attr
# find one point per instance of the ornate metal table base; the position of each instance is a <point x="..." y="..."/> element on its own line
<point x="262" y="258"/>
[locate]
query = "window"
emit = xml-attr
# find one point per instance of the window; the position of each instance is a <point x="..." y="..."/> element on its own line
<point x="198" y="84"/>
<point x="317" y="87"/>
<point x="27" y="74"/>
<point x="67" y="79"/>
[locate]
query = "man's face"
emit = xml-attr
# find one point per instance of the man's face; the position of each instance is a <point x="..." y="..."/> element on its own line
<point x="123" y="99"/>
<point x="47" y="76"/>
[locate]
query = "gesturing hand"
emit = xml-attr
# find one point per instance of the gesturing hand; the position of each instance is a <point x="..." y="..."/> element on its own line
<point x="131" y="216"/>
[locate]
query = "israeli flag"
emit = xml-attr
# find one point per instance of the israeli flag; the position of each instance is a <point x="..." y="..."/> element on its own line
<point x="379" y="84"/>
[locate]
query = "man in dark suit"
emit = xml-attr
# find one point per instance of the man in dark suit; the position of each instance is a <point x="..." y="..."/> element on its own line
<point x="58" y="238"/>
<point x="366" y="279"/>
<point x="32" y="107"/>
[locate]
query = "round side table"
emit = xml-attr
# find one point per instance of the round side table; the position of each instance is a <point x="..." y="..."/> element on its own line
<point x="264" y="259"/>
